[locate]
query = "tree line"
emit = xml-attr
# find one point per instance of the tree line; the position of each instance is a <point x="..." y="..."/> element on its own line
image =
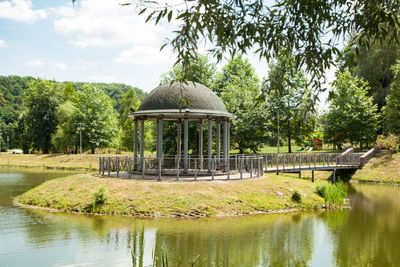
<point x="364" y="101"/>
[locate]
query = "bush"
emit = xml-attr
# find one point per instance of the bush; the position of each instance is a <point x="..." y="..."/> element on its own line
<point x="296" y="196"/>
<point x="333" y="193"/>
<point x="100" y="196"/>
<point x="390" y="142"/>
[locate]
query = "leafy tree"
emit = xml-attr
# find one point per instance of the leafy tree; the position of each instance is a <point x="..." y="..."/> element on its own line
<point x="201" y="71"/>
<point x="392" y="109"/>
<point x="66" y="137"/>
<point x="352" y="116"/>
<point x="238" y="86"/>
<point x="95" y="111"/>
<point x="286" y="91"/>
<point x="265" y="26"/>
<point x="374" y="65"/>
<point x="41" y="101"/>
<point x="129" y="101"/>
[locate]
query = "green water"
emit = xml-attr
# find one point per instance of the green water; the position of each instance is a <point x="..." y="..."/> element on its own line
<point x="366" y="235"/>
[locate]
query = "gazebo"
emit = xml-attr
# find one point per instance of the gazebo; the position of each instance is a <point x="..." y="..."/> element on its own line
<point x="183" y="102"/>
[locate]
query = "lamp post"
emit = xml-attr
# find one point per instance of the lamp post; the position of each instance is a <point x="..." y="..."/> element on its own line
<point x="80" y="129"/>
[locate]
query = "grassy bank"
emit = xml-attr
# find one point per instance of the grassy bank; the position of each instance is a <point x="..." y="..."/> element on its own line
<point x="51" y="161"/>
<point x="173" y="199"/>
<point x="384" y="168"/>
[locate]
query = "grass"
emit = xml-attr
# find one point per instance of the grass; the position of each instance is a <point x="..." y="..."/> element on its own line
<point x="384" y="168"/>
<point x="174" y="199"/>
<point x="334" y="194"/>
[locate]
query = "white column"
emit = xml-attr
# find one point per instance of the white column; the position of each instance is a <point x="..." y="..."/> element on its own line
<point x="179" y="142"/>
<point x="141" y="143"/>
<point x="209" y="145"/>
<point x="218" y="143"/>
<point x="229" y="139"/>
<point x="201" y="144"/>
<point x="225" y="141"/>
<point x="159" y="138"/>
<point x="135" y="137"/>
<point x="185" y="144"/>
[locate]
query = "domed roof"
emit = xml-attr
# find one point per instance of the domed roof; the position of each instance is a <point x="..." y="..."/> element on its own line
<point x="179" y="100"/>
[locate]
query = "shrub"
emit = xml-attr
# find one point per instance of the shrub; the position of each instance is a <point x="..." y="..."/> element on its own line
<point x="333" y="193"/>
<point x="296" y="196"/>
<point x="100" y="196"/>
<point x="390" y="142"/>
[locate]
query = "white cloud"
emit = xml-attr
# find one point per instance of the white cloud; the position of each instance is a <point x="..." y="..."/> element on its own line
<point x="36" y="63"/>
<point x="61" y="66"/>
<point x="104" y="23"/>
<point x="21" y="10"/>
<point x="3" y="43"/>
<point x="144" y="55"/>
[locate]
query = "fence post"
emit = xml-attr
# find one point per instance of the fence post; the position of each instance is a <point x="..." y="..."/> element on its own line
<point x="129" y="167"/>
<point x="102" y="166"/>
<point x="251" y="168"/>
<point x="109" y="166"/>
<point x="312" y="176"/>
<point x="143" y="167"/>
<point x="241" y="167"/>
<point x="229" y="167"/>
<point x="159" y="168"/>
<point x="195" y="169"/>
<point x="212" y="167"/>
<point x="117" y="160"/>
<point x="177" y="168"/>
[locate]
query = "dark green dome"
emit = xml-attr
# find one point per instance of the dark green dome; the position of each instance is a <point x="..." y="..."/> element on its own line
<point x="169" y="101"/>
<point x="173" y="96"/>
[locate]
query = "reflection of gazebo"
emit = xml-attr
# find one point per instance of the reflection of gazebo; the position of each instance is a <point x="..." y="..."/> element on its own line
<point x="183" y="102"/>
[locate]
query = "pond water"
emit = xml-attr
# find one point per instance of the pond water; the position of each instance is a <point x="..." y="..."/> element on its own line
<point x="368" y="234"/>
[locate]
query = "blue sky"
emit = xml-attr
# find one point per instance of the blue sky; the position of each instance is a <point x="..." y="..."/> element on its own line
<point x="94" y="41"/>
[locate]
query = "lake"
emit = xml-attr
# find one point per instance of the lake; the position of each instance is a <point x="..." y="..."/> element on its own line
<point x="367" y="234"/>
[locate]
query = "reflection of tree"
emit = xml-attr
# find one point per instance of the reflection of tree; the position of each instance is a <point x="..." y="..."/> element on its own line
<point x="250" y="241"/>
<point x="269" y="240"/>
<point x="368" y="234"/>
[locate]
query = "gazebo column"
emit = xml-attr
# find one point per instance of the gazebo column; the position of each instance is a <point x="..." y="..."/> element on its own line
<point x="141" y="144"/>
<point x="185" y="145"/>
<point x="178" y="144"/>
<point x="200" y="144"/>
<point x="225" y="142"/>
<point x="135" y="143"/>
<point x="159" y="144"/>
<point x="218" y="143"/>
<point x="229" y="139"/>
<point x="209" y="161"/>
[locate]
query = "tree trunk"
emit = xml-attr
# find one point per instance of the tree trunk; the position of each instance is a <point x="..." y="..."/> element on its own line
<point x="289" y="138"/>
<point x="92" y="150"/>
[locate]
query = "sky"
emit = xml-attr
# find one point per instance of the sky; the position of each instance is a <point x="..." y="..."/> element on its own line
<point x="91" y="41"/>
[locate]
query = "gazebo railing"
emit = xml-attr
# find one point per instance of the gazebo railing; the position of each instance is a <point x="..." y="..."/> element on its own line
<point x="237" y="166"/>
<point x="234" y="167"/>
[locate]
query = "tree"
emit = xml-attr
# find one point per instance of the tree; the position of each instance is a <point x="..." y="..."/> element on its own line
<point x="286" y="92"/>
<point x="352" y="116"/>
<point x="129" y="101"/>
<point x="374" y="65"/>
<point x="392" y="110"/>
<point x="266" y="27"/>
<point x="95" y="111"/>
<point x="41" y="101"/>
<point x="238" y="87"/>
<point x="66" y="137"/>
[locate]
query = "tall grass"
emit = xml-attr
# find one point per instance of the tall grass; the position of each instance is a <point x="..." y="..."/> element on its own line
<point x="334" y="194"/>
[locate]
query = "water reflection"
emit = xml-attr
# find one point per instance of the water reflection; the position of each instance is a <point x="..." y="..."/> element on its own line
<point x="367" y="234"/>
